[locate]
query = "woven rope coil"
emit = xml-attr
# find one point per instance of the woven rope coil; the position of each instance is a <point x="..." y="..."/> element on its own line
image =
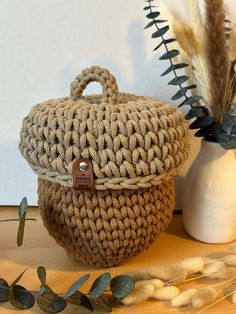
<point x="105" y="228"/>
<point x="133" y="142"/>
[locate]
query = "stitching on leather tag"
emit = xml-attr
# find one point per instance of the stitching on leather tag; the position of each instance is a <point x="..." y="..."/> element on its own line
<point x="83" y="178"/>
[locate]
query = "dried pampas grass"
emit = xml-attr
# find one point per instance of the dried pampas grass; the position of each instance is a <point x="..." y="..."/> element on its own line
<point x="156" y="282"/>
<point x="165" y="293"/>
<point x="164" y="272"/>
<point x="203" y="297"/>
<point x="184" y="298"/>
<point x="200" y="60"/>
<point x="217" y="54"/>
<point x="186" y="38"/>
<point x="193" y="265"/>
<point x="232" y="47"/>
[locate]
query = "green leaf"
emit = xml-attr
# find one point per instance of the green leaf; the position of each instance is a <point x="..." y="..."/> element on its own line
<point x="20" y="297"/>
<point x="78" y="298"/>
<point x="160" y="32"/>
<point x="175" y="67"/>
<point x="150" y="24"/>
<point x="76" y="285"/>
<point x="41" y="271"/>
<point x="3" y="290"/>
<point x="23" y="207"/>
<point x="192" y="86"/>
<point x="229" y="122"/>
<point x="169" y="54"/>
<point x="190" y="101"/>
<point x="21" y="230"/>
<point x="194" y="112"/>
<point x="180" y="93"/>
<point x="178" y="80"/>
<point x="227" y="141"/>
<point x="164" y="42"/>
<point x="203" y="132"/>
<point x="149" y="7"/>
<point x="100" y="285"/>
<point x="49" y="301"/>
<point x="152" y="15"/>
<point x="202" y="122"/>
<point x="101" y="302"/>
<point x="121" y="286"/>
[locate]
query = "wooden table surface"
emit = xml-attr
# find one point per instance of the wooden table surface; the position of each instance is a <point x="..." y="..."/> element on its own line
<point x="40" y="249"/>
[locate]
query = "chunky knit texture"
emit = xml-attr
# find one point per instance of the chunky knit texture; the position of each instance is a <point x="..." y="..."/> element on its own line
<point x="105" y="228"/>
<point x="134" y="142"/>
<point x="136" y="145"/>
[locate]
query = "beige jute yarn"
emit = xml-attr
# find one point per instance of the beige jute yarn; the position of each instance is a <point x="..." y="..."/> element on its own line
<point x="136" y="145"/>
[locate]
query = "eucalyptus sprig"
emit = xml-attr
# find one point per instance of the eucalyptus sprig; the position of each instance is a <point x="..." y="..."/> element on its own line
<point x="211" y="53"/>
<point x="23" y="208"/>
<point x="51" y="302"/>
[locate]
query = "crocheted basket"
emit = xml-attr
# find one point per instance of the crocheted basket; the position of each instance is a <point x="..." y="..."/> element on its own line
<point x="135" y="144"/>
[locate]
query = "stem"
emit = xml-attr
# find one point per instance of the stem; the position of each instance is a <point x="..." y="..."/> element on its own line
<point x="17" y="219"/>
<point x="217" y="301"/>
<point x="166" y="47"/>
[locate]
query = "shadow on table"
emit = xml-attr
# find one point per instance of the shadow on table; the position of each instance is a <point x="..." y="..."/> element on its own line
<point x="176" y="226"/>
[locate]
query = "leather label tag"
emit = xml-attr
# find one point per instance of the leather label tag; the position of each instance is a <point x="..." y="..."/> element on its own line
<point x="83" y="175"/>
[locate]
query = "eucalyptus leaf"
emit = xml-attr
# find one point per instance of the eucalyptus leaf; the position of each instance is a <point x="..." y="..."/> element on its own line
<point x="76" y="285"/>
<point x="78" y="298"/>
<point x="100" y="285"/>
<point x="121" y="286"/>
<point x="194" y="112"/>
<point x="204" y="132"/>
<point x="152" y="15"/>
<point x="175" y="67"/>
<point x="3" y="290"/>
<point x="21" y="230"/>
<point x="192" y="86"/>
<point x="41" y="271"/>
<point x="169" y="54"/>
<point x="160" y="32"/>
<point x="229" y="122"/>
<point x="149" y="7"/>
<point x="23" y="207"/>
<point x="191" y="100"/>
<point x="227" y="141"/>
<point x="178" y="80"/>
<point x="50" y="302"/>
<point x="20" y="297"/>
<point x="181" y="93"/>
<point x="101" y="302"/>
<point x="164" y="42"/>
<point x="202" y="122"/>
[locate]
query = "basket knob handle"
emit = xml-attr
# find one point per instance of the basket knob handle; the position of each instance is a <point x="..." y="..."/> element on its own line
<point x="95" y="74"/>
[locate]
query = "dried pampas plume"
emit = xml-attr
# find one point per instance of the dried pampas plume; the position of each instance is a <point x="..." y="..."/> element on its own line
<point x="232" y="48"/>
<point x="200" y="61"/>
<point x="186" y="38"/>
<point x="217" y="54"/>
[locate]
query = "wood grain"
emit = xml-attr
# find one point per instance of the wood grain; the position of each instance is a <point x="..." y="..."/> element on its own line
<point x="39" y="249"/>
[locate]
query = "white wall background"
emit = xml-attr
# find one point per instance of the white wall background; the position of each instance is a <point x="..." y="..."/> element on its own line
<point x="45" y="44"/>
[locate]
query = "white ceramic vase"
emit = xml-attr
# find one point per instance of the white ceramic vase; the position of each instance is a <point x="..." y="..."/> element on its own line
<point x="209" y="196"/>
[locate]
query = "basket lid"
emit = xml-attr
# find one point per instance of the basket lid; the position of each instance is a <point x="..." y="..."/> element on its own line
<point x="132" y="141"/>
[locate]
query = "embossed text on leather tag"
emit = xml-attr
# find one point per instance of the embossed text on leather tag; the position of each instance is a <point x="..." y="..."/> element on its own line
<point x="83" y="175"/>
